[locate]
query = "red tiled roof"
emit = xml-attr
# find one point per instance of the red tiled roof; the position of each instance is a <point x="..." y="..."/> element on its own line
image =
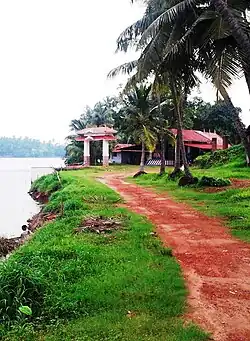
<point x="210" y="136"/>
<point x="192" y="136"/>
<point x="120" y="146"/>
<point x="202" y="146"/>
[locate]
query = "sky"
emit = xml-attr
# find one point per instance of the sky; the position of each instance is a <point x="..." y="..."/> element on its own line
<point x="54" y="60"/>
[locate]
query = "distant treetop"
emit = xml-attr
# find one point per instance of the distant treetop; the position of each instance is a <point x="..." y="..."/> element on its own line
<point x="26" y="147"/>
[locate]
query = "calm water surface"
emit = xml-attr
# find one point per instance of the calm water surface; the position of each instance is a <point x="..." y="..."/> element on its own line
<point x="16" y="206"/>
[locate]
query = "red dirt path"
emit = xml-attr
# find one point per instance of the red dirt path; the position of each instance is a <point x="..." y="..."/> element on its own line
<point x="215" y="265"/>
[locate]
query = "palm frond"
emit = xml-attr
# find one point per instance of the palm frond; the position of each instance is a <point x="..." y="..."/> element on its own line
<point x="150" y="139"/>
<point x="125" y="68"/>
<point x="223" y="65"/>
<point x="77" y="125"/>
<point x="129" y="37"/>
<point x="168" y="16"/>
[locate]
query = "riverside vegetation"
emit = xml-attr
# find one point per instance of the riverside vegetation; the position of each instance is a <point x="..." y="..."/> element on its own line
<point x="121" y="285"/>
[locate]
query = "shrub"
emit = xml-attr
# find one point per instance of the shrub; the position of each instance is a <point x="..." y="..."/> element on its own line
<point x="176" y="175"/>
<point x="18" y="287"/>
<point x="46" y="184"/>
<point x="243" y="195"/>
<point x="213" y="182"/>
<point x="221" y="157"/>
<point x="73" y="205"/>
<point x="52" y="207"/>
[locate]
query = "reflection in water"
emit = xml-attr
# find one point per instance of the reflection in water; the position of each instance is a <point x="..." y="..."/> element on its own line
<point x="16" y="206"/>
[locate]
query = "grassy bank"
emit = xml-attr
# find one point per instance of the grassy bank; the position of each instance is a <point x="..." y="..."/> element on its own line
<point x="87" y="286"/>
<point x="231" y="204"/>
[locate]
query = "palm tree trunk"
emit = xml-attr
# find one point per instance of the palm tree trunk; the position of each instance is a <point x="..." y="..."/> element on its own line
<point x="150" y="155"/>
<point x="236" y="30"/>
<point x="182" y="146"/>
<point x="162" y="138"/>
<point x="247" y="77"/>
<point x="179" y="130"/>
<point x="142" y="164"/>
<point x="177" y="161"/>
<point x="241" y="130"/>
<point x="163" y="159"/>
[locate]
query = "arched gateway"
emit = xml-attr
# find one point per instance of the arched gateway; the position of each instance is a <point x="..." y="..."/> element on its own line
<point x="104" y="134"/>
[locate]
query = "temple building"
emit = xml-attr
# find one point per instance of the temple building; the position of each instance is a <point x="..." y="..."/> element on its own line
<point x="88" y="135"/>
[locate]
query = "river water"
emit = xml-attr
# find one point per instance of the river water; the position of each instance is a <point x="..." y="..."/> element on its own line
<point x="16" y="206"/>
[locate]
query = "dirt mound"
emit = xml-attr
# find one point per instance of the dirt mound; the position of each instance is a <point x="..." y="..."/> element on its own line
<point x="99" y="225"/>
<point x="40" y="197"/>
<point x="236" y="183"/>
<point x="7" y="245"/>
<point x="39" y="219"/>
<point x="139" y="174"/>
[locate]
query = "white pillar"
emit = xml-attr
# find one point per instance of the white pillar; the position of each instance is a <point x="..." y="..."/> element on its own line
<point x="105" y="152"/>
<point x="86" y="153"/>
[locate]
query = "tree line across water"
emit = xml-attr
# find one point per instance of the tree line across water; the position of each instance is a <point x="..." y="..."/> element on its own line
<point x="178" y="41"/>
<point x="27" y="147"/>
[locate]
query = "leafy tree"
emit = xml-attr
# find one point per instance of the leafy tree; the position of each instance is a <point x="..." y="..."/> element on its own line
<point x="219" y="117"/>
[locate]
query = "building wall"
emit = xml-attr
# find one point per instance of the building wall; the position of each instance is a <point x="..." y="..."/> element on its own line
<point x="116" y="158"/>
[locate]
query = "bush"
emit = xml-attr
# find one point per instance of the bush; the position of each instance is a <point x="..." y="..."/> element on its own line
<point x="74" y="205"/>
<point x="46" y="184"/>
<point x="207" y="181"/>
<point x="221" y="157"/>
<point x="176" y="175"/>
<point x="241" y="196"/>
<point x="18" y="287"/>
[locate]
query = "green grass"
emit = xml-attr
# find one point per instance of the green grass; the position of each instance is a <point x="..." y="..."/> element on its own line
<point x="231" y="204"/>
<point x="226" y="171"/>
<point x="234" y="155"/>
<point x="81" y="286"/>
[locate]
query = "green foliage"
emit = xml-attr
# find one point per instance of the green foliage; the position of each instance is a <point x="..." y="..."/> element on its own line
<point x="200" y="115"/>
<point x="26" y="147"/>
<point x="233" y="154"/>
<point x="46" y="184"/>
<point x="25" y="310"/>
<point x="19" y="287"/>
<point x="243" y="195"/>
<point x="73" y="204"/>
<point x="209" y="181"/>
<point x="83" y="285"/>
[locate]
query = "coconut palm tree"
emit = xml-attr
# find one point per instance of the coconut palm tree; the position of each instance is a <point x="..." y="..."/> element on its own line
<point x="198" y="27"/>
<point x="135" y="119"/>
